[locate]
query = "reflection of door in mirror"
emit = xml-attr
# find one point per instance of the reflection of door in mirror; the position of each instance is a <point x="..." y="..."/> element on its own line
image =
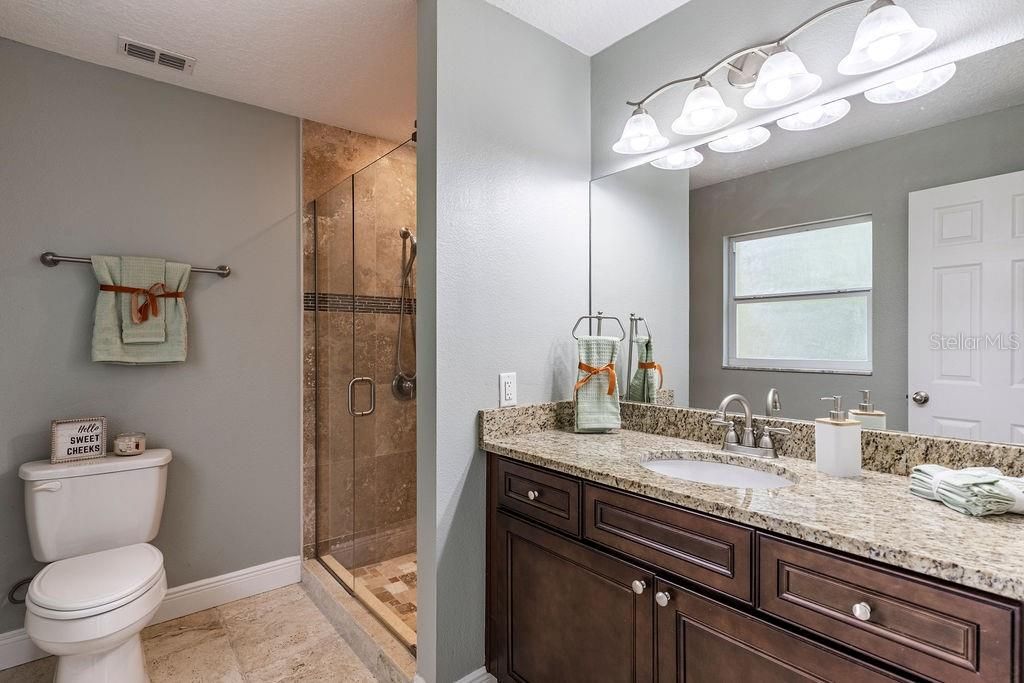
<point x="966" y="310"/>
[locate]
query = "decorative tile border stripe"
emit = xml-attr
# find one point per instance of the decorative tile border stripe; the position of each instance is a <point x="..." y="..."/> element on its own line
<point x="883" y="451"/>
<point x="355" y="303"/>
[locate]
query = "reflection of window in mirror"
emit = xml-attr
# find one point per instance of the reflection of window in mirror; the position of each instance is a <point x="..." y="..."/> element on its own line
<point x="799" y="298"/>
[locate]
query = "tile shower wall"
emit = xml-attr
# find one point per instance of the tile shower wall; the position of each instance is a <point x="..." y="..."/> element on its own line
<point x="366" y="469"/>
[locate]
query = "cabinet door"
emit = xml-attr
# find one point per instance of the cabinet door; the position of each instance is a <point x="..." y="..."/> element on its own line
<point x="563" y="612"/>
<point x="703" y="641"/>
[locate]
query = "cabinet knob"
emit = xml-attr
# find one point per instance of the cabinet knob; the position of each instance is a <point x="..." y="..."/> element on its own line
<point x="639" y="586"/>
<point x="533" y="495"/>
<point x="862" y="611"/>
<point x="662" y="598"/>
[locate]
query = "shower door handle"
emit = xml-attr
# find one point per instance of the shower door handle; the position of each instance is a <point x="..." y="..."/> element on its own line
<point x="351" y="396"/>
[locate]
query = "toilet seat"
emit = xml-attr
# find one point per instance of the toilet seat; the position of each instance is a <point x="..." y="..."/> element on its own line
<point x="93" y="584"/>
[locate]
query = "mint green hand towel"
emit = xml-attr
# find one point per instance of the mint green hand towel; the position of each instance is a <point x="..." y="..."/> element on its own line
<point x="595" y="398"/>
<point x="142" y="272"/>
<point x="647" y="379"/>
<point x="108" y="345"/>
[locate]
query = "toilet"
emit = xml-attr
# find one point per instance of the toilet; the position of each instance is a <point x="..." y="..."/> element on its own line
<point x="92" y="520"/>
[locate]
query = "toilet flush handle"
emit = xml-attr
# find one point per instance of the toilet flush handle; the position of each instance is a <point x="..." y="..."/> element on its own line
<point x="47" y="486"/>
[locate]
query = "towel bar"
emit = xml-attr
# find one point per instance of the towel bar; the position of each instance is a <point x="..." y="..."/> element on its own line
<point x="48" y="258"/>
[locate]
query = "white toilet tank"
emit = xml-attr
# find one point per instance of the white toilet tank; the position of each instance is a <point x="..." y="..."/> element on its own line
<point x="91" y="505"/>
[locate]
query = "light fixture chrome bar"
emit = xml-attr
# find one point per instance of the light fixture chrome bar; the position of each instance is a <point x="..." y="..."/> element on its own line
<point x="727" y="61"/>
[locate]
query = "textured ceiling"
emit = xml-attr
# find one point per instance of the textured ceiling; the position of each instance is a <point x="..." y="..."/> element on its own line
<point x="348" y="63"/>
<point x="588" y="25"/>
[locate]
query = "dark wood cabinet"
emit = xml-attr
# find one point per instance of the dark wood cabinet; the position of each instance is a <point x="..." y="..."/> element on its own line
<point x="595" y="584"/>
<point x="703" y="641"/>
<point x="565" y="612"/>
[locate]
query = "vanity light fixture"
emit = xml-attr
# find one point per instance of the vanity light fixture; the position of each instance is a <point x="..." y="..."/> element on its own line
<point x="886" y="36"/>
<point x="640" y="134"/>
<point x="815" y="117"/>
<point x="741" y="141"/>
<point x="703" y="112"/>
<point x="677" y="161"/>
<point x="783" y="79"/>
<point x="913" y="86"/>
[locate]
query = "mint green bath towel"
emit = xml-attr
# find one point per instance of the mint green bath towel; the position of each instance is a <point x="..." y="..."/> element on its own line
<point x="595" y="398"/>
<point x="648" y="378"/>
<point x="113" y="340"/>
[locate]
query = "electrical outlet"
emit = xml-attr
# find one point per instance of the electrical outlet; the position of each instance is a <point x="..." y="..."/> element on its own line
<point x="506" y="389"/>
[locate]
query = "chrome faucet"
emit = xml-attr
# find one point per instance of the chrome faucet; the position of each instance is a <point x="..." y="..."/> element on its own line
<point x="765" y="447"/>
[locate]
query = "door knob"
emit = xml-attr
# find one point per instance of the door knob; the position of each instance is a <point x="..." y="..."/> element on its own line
<point x="639" y="586"/>
<point x="862" y="611"/>
<point x="920" y="397"/>
<point x="533" y="495"/>
<point x="662" y="598"/>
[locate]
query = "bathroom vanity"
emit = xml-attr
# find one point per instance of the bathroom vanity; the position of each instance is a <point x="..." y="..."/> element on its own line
<point x="601" y="570"/>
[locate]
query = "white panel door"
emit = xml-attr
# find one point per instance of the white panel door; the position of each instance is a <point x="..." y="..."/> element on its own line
<point x="966" y="310"/>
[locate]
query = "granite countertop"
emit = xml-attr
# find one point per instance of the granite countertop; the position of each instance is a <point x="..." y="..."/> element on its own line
<point x="873" y="516"/>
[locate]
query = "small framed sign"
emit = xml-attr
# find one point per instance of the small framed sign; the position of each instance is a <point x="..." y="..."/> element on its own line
<point x="79" y="439"/>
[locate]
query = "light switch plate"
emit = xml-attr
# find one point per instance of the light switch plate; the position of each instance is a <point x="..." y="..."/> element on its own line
<point x="506" y="389"/>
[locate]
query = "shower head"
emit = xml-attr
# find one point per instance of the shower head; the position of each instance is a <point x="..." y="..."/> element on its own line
<point x="406" y="234"/>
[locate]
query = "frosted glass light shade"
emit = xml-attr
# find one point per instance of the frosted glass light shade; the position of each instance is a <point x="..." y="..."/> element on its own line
<point x="913" y="86"/>
<point x="640" y="135"/>
<point x="677" y="161"/>
<point x="783" y="79"/>
<point x="742" y="140"/>
<point x="816" y="117"/>
<point x="703" y="112"/>
<point x="886" y="36"/>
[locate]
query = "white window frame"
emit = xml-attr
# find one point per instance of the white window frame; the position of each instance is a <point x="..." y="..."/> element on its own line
<point x="729" y="359"/>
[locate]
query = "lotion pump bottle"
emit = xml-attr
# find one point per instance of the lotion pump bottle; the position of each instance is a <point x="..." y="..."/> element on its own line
<point x="837" y="442"/>
<point x="866" y="413"/>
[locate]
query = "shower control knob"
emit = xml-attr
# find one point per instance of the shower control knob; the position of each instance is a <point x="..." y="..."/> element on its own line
<point x="639" y="586"/>
<point x="533" y="495"/>
<point x="662" y="598"/>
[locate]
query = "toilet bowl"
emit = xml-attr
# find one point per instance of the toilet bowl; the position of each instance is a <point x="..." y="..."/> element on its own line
<point x="89" y="611"/>
<point x="92" y="521"/>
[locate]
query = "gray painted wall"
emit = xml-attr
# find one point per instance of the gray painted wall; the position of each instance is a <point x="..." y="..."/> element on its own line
<point x="874" y="179"/>
<point x="639" y="256"/>
<point x="99" y="161"/>
<point x="507" y="248"/>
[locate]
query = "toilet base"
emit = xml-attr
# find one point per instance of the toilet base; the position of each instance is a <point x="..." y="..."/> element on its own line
<point x="123" y="664"/>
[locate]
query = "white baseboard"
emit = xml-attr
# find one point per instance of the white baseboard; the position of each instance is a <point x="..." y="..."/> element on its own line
<point x="220" y="590"/>
<point x="478" y="676"/>
<point x="16" y="648"/>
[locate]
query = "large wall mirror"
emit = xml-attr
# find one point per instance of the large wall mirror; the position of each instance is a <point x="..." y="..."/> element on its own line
<point x="882" y="252"/>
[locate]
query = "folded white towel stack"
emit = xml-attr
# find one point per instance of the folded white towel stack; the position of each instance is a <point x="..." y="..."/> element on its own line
<point x="975" y="491"/>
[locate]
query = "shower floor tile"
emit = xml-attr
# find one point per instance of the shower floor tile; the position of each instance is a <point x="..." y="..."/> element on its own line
<point x="393" y="583"/>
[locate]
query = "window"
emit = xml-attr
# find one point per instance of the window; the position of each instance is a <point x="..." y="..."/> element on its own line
<point x="799" y="298"/>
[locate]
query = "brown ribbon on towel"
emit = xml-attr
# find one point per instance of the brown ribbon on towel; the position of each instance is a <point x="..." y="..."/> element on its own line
<point x="593" y="372"/>
<point x="140" y="312"/>
<point x="654" y="366"/>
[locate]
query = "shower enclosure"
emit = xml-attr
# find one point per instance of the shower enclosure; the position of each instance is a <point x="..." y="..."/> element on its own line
<point x="364" y="275"/>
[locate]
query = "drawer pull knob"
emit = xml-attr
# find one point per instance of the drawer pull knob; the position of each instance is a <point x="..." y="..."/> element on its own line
<point x="639" y="586"/>
<point x="533" y="495"/>
<point x="862" y="611"/>
<point x="662" y="598"/>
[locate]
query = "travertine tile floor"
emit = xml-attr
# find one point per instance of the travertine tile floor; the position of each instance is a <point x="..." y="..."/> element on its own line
<point x="276" y="636"/>
<point x="393" y="582"/>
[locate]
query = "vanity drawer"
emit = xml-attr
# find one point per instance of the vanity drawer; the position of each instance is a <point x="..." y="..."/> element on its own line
<point x="544" y="496"/>
<point x="932" y="630"/>
<point x="705" y="550"/>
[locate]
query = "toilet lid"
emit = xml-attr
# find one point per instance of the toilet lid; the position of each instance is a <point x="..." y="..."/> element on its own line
<point x="107" y="578"/>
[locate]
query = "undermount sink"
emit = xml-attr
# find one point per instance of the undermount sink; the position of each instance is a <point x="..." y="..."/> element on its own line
<point x="718" y="474"/>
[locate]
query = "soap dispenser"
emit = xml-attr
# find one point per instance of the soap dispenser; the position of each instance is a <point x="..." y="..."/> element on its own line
<point x="837" y="442"/>
<point x="866" y="413"/>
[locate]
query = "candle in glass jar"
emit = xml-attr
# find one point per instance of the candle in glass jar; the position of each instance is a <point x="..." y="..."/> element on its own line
<point x="129" y="443"/>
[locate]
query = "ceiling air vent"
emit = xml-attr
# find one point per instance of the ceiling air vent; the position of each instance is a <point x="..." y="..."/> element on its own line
<point x="155" y="55"/>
